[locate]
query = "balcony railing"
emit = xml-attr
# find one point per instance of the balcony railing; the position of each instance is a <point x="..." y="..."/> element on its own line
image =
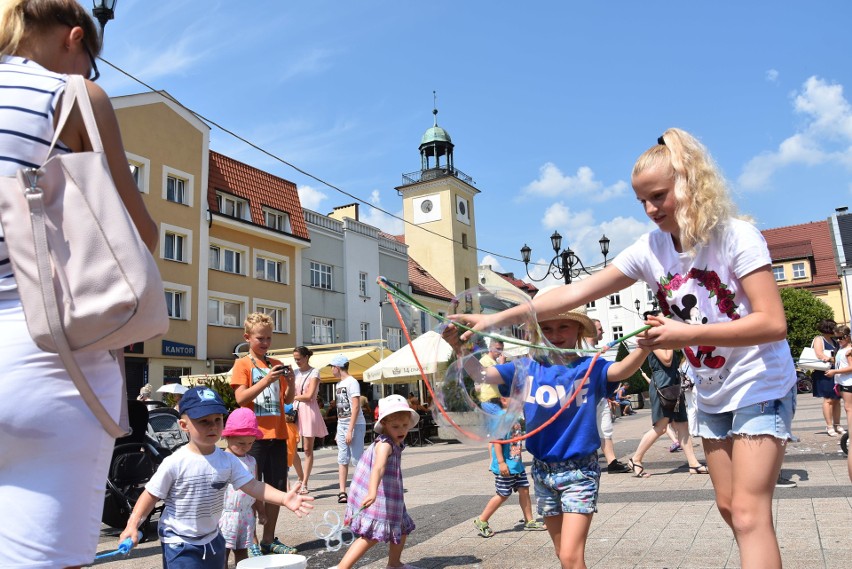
<point x="433" y="174"/>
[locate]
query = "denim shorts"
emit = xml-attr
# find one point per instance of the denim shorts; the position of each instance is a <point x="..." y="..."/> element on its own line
<point x="772" y="418"/>
<point x="350" y="454"/>
<point x="567" y="487"/>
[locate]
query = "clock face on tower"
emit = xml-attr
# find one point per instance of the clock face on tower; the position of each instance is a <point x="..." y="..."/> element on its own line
<point x="426" y="209"/>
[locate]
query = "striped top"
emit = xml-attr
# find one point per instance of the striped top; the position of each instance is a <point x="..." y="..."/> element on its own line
<point x="28" y="97"/>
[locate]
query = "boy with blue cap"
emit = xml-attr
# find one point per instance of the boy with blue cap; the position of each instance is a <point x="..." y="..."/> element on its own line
<point x="192" y="484"/>
<point x="351" y="425"/>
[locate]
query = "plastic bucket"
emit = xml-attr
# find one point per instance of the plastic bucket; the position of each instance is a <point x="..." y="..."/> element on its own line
<point x="277" y="561"/>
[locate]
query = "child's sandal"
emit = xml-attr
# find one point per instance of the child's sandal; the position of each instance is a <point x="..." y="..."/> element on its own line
<point x="342" y="498"/>
<point x="700" y="469"/>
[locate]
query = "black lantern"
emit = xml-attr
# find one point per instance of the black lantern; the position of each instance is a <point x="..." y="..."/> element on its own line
<point x="565" y="264"/>
<point x="103" y="11"/>
<point x="637" y="303"/>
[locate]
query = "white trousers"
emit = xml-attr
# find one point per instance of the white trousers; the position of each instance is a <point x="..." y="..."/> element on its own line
<point x="54" y="454"/>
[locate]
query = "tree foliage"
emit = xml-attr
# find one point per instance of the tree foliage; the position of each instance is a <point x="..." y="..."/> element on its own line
<point x="803" y="312"/>
<point x="637" y="382"/>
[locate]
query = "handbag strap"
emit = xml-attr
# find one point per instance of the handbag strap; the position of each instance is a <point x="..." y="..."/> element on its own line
<point x="35" y="202"/>
<point x="75" y="91"/>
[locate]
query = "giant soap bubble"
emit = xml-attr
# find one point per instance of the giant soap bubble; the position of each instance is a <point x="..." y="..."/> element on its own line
<point x="467" y="401"/>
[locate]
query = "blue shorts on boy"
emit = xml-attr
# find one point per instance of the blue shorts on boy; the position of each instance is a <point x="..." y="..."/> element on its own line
<point x="193" y="487"/>
<point x="566" y="473"/>
<point x="517" y="477"/>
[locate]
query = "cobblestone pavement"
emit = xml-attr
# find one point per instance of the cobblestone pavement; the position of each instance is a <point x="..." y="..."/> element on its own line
<point x="668" y="520"/>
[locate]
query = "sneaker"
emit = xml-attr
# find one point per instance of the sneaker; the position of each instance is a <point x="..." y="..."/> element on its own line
<point x="830" y="432"/>
<point x="785" y="483"/>
<point x="254" y="550"/>
<point x="675" y="447"/>
<point x="276" y="547"/>
<point x="616" y="467"/>
<point x="839" y="430"/>
<point x="483" y="528"/>
<point x="534" y="525"/>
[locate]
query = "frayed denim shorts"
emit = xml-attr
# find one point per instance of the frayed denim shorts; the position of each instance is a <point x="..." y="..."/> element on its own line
<point x="772" y="418"/>
<point x="567" y="487"/>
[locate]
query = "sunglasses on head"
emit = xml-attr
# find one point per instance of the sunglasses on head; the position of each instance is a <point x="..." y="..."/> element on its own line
<point x="94" y="74"/>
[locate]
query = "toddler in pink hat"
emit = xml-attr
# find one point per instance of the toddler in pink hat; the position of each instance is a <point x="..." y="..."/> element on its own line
<point x="237" y="523"/>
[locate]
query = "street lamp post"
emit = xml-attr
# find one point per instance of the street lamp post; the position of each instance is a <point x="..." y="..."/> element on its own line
<point x="637" y="303"/>
<point x="103" y="11"/>
<point x="565" y="264"/>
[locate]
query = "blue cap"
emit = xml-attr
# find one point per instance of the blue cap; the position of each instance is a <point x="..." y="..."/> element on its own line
<point x="201" y="401"/>
<point x="339" y="361"/>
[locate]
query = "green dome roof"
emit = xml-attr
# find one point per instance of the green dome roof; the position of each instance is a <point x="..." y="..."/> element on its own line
<point x="435" y="134"/>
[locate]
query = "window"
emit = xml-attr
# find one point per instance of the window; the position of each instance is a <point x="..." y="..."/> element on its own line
<point x="321" y="276"/>
<point x="650" y="294"/>
<point x="175" y="304"/>
<point x="269" y="270"/>
<point x="173" y="247"/>
<point x="365" y="331"/>
<point x="279" y="317"/>
<point x="277" y="220"/>
<point x="394" y="337"/>
<point x="424" y="322"/>
<point x="177" y="186"/>
<point x="779" y="273"/>
<point x="139" y="169"/>
<point x="615" y="299"/>
<point x="590" y="304"/>
<point x="222" y="312"/>
<point x="227" y="260"/>
<point x="171" y="374"/>
<point x="362" y="284"/>
<point x="175" y="189"/>
<point x="322" y="330"/>
<point x="464" y="240"/>
<point x="232" y="206"/>
<point x="799" y="271"/>
<point x="617" y="332"/>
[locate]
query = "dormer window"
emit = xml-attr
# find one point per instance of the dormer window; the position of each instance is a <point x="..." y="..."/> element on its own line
<point x="232" y="206"/>
<point x="277" y="220"/>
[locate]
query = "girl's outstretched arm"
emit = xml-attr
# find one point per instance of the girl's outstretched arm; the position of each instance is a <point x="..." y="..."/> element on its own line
<point x="619" y="371"/>
<point x="381" y="452"/>
<point x="599" y="285"/>
<point x="766" y="323"/>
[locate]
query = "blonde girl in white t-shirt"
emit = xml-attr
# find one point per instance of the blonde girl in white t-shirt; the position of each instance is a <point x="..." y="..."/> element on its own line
<point x="712" y="276"/>
<point x="842" y="375"/>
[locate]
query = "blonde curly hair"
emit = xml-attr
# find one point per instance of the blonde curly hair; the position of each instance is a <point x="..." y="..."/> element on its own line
<point x="701" y="193"/>
<point x="257" y="319"/>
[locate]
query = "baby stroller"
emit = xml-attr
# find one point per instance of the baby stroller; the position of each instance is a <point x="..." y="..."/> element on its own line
<point x="135" y="458"/>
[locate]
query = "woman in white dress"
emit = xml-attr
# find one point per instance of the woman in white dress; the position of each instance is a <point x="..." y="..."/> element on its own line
<point x="311" y="422"/>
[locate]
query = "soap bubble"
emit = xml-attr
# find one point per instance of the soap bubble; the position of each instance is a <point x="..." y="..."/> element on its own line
<point x="472" y="409"/>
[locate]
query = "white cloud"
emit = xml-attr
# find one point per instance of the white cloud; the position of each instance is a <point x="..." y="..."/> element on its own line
<point x="493" y="262"/>
<point x="772" y="75"/>
<point x="310" y="197"/>
<point x="552" y="182"/>
<point x="313" y="62"/>
<point x="559" y="216"/>
<point x="376" y="218"/>
<point x="825" y="136"/>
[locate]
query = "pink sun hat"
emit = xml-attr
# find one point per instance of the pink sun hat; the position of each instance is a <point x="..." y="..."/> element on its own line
<point x="242" y="423"/>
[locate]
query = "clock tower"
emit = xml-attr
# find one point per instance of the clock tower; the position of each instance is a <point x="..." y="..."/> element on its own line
<point x="438" y="209"/>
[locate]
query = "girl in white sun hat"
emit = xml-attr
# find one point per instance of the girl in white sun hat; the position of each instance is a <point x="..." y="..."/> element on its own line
<point x="376" y="509"/>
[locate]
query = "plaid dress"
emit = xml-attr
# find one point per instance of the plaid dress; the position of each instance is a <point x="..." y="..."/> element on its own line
<point x="386" y="520"/>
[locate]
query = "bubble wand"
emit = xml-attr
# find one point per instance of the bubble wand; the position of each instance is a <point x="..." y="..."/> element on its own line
<point x="123" y="548"/>
<point x="394" y="291"/>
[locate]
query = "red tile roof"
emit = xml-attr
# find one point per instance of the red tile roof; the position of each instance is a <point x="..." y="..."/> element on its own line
<point x="259" y="188"/>
<point x="806" y="241"/>
<point x="528" y="288"/>
<point x="425" y="284"/>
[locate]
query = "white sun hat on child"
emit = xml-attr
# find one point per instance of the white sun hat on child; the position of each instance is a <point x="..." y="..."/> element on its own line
<point x="394" y="404"/>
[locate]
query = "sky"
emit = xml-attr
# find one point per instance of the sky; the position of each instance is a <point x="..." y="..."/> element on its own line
<point x="548" y="102"/>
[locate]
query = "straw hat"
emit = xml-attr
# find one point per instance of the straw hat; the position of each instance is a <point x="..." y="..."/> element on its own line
<point x="577" y="315"/>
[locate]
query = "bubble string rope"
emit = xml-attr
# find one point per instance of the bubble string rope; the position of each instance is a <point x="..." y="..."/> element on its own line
<point x="394" y="291"/>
